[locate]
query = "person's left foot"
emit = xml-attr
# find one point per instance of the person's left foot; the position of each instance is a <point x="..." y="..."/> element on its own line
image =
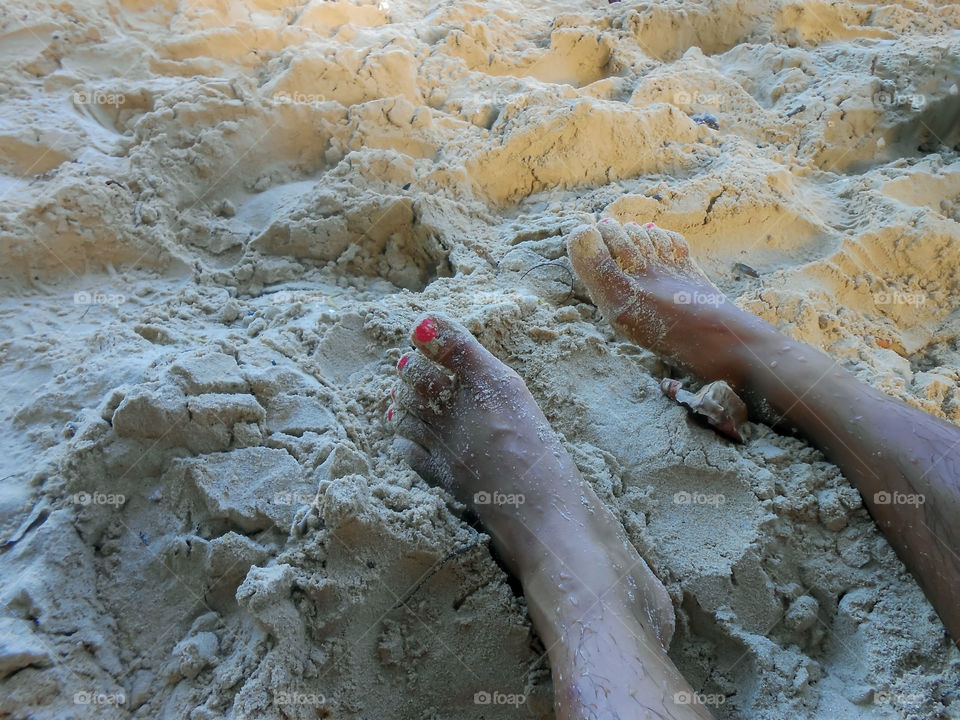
<point x="469" y="423"/>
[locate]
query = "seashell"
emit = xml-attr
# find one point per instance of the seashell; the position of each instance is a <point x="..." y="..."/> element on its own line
<point x="716" y="403"/>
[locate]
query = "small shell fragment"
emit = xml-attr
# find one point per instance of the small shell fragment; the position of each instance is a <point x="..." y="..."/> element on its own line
<point x="716" y="403"/>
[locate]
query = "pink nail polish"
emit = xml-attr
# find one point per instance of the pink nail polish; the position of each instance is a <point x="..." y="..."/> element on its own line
<point x="390" y="414"/>
<point x="403" y="361"/>
<point x="649" y="225"/>
<point x="606" y="220"/>
<point x="426" y="331"/>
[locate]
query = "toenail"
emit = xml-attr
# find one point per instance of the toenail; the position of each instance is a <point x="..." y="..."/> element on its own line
<point x="393" y="393"/>
<point x="633" y="222"/>
<point x="390" y="414"/>
<point x="403" y="361"/>
<point x="606" y="220"/>
<point x="649" y="225"/>
<point x="426" y="331"/>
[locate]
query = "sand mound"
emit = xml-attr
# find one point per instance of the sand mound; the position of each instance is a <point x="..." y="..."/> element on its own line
<point x="217" y="221"/>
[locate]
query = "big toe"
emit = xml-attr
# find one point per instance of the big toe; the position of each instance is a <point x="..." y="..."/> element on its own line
<point x="610" y="288"/>
<point x="450" y="344"/>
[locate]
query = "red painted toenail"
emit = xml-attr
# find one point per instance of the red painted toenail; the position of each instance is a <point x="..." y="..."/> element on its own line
<point x="649" y="225"/>
<point x="390" y="414"/>
<point x="606" y="220"/>
<point x="426" y="331"/>
<point x="403" y="361"/>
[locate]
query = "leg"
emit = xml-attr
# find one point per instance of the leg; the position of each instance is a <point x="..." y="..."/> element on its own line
<point x="602" y="614"/>
<point x="905" y="462"/>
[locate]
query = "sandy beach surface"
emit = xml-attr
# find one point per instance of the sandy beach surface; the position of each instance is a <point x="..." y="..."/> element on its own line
<point x="217" y="223"/>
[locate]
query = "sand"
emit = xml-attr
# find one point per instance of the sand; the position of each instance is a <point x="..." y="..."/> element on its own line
<point x="217" y="221"/>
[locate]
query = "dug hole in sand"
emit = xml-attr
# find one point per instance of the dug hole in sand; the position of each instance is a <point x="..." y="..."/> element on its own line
<point x="217" y="223"/>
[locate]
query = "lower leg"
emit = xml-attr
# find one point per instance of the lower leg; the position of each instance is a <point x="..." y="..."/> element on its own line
<point x="645" y="284"/>
<point x="603" y="616"/>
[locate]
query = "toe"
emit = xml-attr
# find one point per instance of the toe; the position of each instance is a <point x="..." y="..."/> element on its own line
<point x="417" y="457"/>
<point x="661" y="242"/>
<point x="620" y="246"/>
<point x="671" y="246"/>
<point x="411" y="427"/>
<point x="641" y="241"/>
<point x="450" y="344"/>
<point x="423" y="376"/>
<point x="609" y="287"/>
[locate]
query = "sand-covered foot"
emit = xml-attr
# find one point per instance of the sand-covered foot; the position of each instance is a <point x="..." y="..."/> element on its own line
<point x="649" y="289"/>
<point x="468" y="423"/>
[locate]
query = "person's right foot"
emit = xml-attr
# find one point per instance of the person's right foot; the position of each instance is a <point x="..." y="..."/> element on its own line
<point x="646" y="285"/>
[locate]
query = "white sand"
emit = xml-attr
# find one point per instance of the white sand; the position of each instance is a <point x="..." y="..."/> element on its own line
<point x="254" y="201"/>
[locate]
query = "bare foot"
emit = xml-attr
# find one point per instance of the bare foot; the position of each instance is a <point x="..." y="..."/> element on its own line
<point x="470" y="424"/>
<point x="646" y="285"/>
